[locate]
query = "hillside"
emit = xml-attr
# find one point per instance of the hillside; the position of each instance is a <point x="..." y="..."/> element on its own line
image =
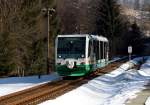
<point x="139" y="11"/>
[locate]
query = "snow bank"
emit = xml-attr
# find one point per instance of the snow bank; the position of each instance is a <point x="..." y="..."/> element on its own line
<point x="11" y="85"/>
<point x="115" y="59"/>
<point x="125" y="67"/>
<point x="114" y="88"/>
<point x="145" y="71"/>
<point x="147" y="101"/>
<point x="137" y="60"/>
<point x="103" y="90"/>
<point x="145" y="68"/>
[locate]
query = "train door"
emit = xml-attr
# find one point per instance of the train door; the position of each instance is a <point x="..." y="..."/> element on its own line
<point x="97" y="53"/>
<point x="91" y="54"/>
<point x="102" y="52"/>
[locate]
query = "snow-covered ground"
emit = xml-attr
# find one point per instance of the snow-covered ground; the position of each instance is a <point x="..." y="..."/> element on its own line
<point x="11" y="85"/>
<point x="147" y="101"/>
<point x="114" y="88"/>
<point x="145" y="68"/>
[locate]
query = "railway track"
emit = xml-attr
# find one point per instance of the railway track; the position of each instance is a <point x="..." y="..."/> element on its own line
<point x="51" y="90"/>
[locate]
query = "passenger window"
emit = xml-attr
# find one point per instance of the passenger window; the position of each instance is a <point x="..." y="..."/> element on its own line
<point x="89" y="48"/>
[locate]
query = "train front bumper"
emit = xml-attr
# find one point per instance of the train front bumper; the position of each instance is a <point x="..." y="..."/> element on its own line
<point x="79" y="70"/>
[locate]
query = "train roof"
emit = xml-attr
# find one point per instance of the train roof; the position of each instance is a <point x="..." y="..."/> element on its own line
<point x="95" y="37"/>
<point x="101" y="38"/>
<point x="73" y="35"/>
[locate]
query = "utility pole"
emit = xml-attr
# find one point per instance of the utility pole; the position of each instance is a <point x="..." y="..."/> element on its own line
<point x="49" y="12"/>
<point x="1" y="26"/>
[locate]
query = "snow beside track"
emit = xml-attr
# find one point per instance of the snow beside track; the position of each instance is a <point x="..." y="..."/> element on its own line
<point x="14" y="84"/>
<point x="147" y="101"/>
<point x="114" y="88"/>
<point x="145" y="68"/>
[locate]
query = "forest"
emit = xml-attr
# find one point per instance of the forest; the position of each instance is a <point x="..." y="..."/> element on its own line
<point x="23" y="31"/>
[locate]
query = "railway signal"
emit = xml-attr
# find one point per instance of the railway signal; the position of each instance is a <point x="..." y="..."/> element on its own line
<point x="130" y="51"/>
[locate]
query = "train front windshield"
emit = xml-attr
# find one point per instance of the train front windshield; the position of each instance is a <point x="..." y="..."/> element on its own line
<point x="71" y="47"/>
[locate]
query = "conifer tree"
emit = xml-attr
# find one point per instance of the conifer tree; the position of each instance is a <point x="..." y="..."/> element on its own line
<point x="133" y="37"/>
<point x="109" y="22"/>
<point x="21" y="21"/>
<point x="5" y="54"/>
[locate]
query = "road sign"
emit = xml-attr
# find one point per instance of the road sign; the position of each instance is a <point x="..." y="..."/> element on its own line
<point x="130" y="52"/>
<point x="129" y="49"/>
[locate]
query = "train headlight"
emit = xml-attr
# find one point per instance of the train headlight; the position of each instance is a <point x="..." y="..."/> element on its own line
<point x="82" y="56"/>
<point x="59" y="56"/>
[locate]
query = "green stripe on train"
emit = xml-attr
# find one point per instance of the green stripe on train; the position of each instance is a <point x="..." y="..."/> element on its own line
<point x="79" y="70"/>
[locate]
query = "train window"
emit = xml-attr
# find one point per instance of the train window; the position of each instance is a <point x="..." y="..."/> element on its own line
<point x="104" y="50"/>
<point x="101" y="51"/>
<point x="107" y="50"/>
<point x="104" y="47"/>
<point x="94" y="46"/>
<point x="69" y="47"/>
<point x="96" y="49"/>
<point x="90" y="48"/>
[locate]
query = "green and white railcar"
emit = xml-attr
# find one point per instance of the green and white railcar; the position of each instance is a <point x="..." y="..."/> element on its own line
<point x="77" y="55"/>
